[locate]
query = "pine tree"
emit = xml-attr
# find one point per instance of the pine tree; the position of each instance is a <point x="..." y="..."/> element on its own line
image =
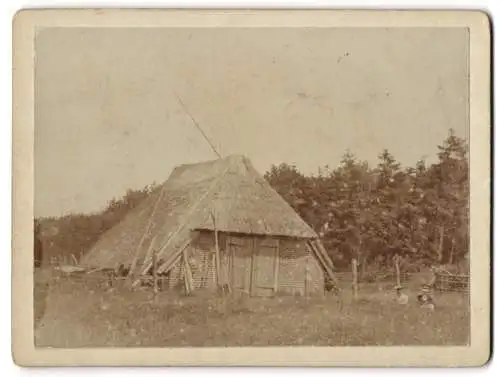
<point x="450" y="179"/>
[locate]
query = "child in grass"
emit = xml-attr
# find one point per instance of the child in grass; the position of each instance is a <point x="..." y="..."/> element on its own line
<point x="424" y="298"/>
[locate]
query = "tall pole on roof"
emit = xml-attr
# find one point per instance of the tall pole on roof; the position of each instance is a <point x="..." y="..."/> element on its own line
<point x="197" y="125"/>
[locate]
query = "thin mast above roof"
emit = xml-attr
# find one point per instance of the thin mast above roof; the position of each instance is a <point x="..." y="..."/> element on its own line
<point x="198" y="127"/>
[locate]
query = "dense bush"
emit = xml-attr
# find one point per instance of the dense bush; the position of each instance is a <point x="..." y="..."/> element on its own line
<point x="69" y="236"/>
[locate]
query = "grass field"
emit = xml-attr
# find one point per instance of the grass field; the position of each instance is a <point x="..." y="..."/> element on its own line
<point x="72" y="313"/>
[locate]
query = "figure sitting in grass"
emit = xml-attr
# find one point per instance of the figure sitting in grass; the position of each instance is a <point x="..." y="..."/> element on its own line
<point x="425" y="299"/>
<point x="401" y="298"/>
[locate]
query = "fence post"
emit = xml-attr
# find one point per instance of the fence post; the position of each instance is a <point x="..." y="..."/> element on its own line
<point x="438" y="281"/>
<point x="398" y="273"/>
<point x="354" y="264"/>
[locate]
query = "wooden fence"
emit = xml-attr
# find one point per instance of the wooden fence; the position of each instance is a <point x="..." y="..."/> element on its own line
<point x="443" y="282"/>
<point x="452" y="283"/>
<point x="373" y="277"/>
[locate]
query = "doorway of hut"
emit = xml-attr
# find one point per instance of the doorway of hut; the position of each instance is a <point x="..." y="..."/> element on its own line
<point x="254" y="263"/>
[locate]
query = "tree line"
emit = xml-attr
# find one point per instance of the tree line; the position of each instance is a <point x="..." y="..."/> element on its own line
<point x="370" y="213"/>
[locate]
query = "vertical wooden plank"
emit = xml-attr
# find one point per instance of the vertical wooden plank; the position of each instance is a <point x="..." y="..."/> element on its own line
<point x="183" y="272"/>
<point x="230" y="251"/>
<point x="253" y="264"/>
<point x="246" y="251"/>
<point x="324" y="253"/>
<point x="201" y="267"/>
<point x="217" y="260"/>
<point x="168" y="279"/>
<point x="206" y="268"/>
<point x="277" y="267"/>
<point x="136" y="278"/>
<point x="137" y="251"/>
<point x="146" y="232"/>
<point x="217" y="254"/>
<point x="188" y="275"/>
<point x="317" y="249"/>
<point x="155" y="272"/>
<point x="214" y="270"/>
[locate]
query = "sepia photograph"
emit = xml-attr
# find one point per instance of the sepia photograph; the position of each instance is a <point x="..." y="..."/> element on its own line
<point x="226" y="185"/>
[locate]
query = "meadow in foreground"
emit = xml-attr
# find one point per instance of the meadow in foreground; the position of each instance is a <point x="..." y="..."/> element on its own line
<point x="77" y="314"/>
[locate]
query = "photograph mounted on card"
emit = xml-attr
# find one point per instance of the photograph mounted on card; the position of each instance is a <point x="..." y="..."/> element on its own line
<point x="272" y="187"/>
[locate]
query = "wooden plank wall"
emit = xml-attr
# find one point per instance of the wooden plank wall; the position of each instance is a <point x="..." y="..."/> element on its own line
<point x="290" y="272"/>
<point x="294" y="257"/>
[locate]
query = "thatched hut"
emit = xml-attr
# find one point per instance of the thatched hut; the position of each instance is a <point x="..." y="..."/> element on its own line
<point x="217" y="223"/>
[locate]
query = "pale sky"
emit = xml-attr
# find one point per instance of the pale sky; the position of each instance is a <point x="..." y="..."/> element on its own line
<point x="107" y="118"/>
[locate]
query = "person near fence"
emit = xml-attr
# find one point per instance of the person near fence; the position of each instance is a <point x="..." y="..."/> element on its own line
<point x="424" y="297"/>
<point x="401" y="298"/>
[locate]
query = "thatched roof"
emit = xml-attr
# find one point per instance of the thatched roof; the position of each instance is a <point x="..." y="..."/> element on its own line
<point x="230" y="189"/>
